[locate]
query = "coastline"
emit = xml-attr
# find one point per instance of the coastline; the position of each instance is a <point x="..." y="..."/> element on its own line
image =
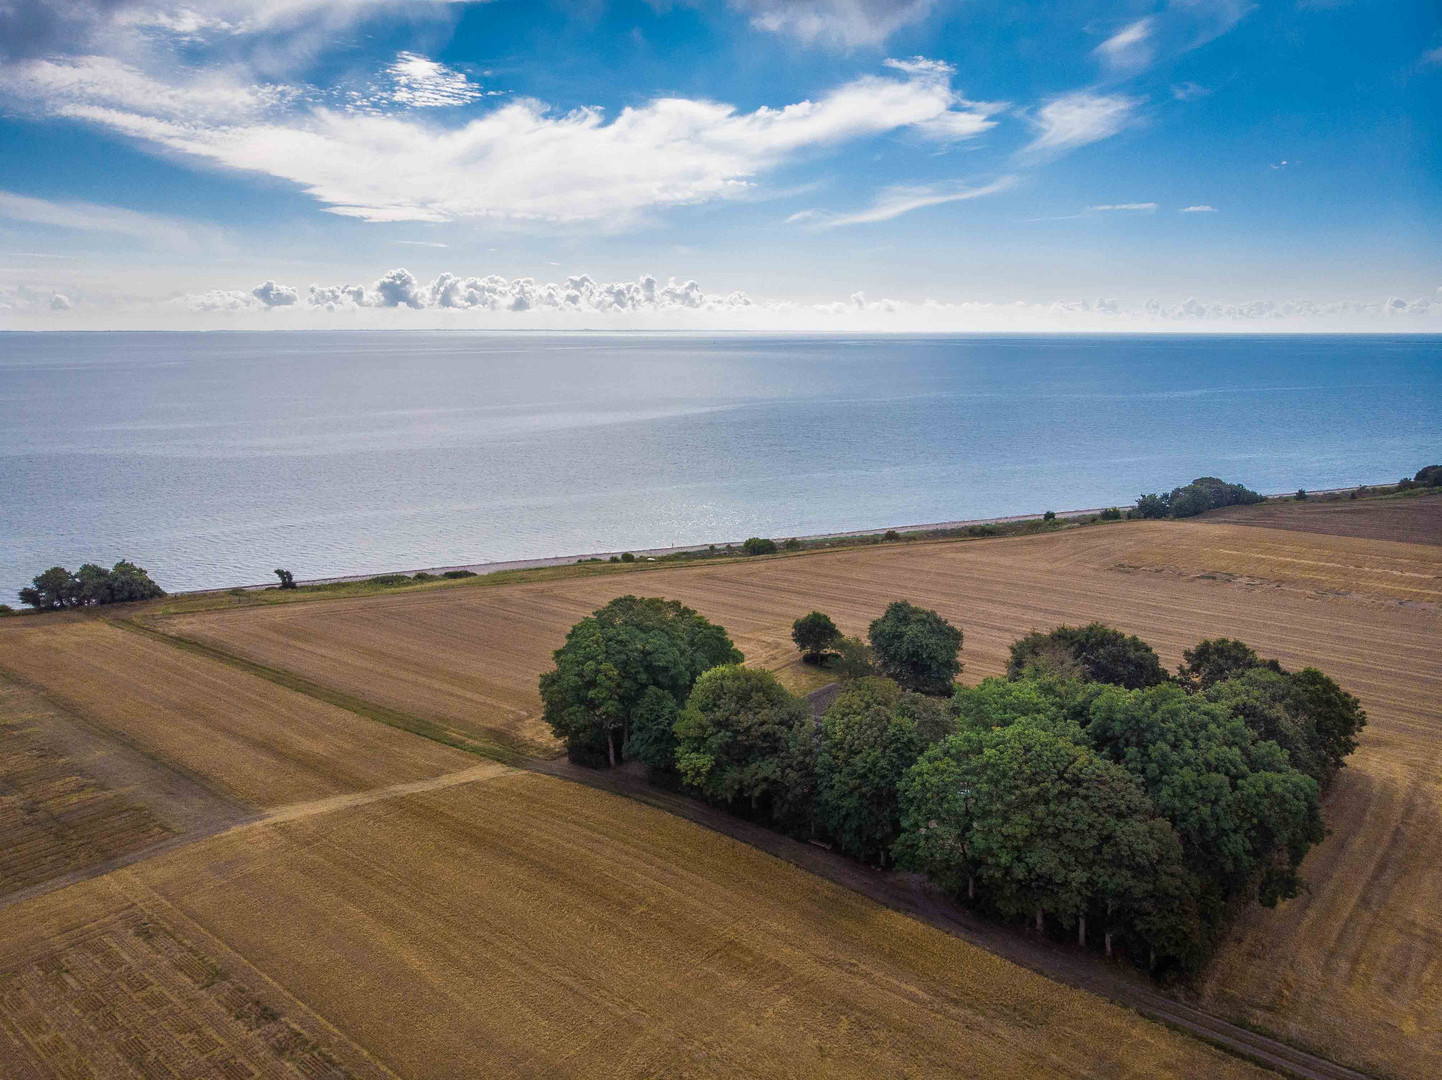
<point x="484" y="568"/>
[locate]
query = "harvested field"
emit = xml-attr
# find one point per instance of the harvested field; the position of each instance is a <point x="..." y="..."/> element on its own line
<point x="256" y="741"/>
<point x="1352" y="969"/>
<point x="525" y="926"/>
<point x="54" y="817"/>
<point x="1415" y="519"/>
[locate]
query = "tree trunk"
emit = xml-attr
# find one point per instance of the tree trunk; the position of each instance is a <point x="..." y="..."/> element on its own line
<point x="611" y="745"/>
<point x="971" y="886"/>
<point x="1107" y="937"/>
<point x="1040" y="927"/>
<point x="1081" y="931"/>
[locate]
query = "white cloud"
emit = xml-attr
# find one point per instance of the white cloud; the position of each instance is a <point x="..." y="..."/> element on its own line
<point x="520" y="162"/>
<point x="837" y="24"/>
<point x="1189" y="91"/>
<point x="1200" y="208"/>
<point x="59" y="302"/>
<point x="272" y="295"/>
<point x="1147" y="207"/>
<point x="1432" y="57"/>
<point x="892" y="202"/>
<point x="1079" y="118"/>
<point x="1129" y="49"/>
<point x="424" y="83"/>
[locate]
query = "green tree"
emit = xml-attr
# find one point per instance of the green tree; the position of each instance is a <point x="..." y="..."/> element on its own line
<point x="54" y="589"/>
<point x="1043" y="824"/>
<point x="1213" y="660"/>
<point x="851" y="658"/>
<point x="813" y="635"/>
<point x="917" y="648"/>
<point x="1153" y="506"/>
<point x="1101" y="653"/>
<point x="1244" y="814"/>
<point x="612" y="657"/>
<point x="128" y="583"/>
<point x="868" y="741"/>
<point x="759" y="545"/>
<point x="1307" y="714"/>
<point x="745" y="741"/>
<point x="287" y="579"/>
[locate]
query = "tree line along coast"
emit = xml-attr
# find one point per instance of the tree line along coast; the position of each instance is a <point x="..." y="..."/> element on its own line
<point x="1089" y="791"/>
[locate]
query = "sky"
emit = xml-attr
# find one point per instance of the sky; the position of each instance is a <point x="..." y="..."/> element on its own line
<point x="721" y="164"/>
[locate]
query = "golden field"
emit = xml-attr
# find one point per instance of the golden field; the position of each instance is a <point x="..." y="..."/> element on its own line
<point x="526" y="926"/>
<point x="255" y="741"/>
<point x="1352" y="969"/>
<point x="402" y="909"/>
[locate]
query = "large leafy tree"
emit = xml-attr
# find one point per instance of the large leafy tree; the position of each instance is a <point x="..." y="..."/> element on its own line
<point x="91" y="584"/>
<point x="1244" y="814"/>
<point x="1211" y="661"/>
<point x="1045" y="825"/>
<point x="612" y="658"/>
<point x="868" y="740"/>
<point x="917" y="648"/>
<point x="1099" y="652"/>
<point x="746" y="742"/>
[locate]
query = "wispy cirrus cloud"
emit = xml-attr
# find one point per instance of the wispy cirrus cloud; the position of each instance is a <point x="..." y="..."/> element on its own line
<point x="96" y="218"/>
<point x="837" y="24"/>
<point x="1076" y="119"/>
<point x="1144" y="207"/>
<point x="1130" y="48"/>
<point x="1200" y="208"/>
<point x="892" y="202"/>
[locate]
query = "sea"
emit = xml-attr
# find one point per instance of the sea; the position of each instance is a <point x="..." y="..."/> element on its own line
<point x="212" y="458"/>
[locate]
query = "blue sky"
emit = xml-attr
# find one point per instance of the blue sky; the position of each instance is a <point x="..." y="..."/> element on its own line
<point x="888" y="164"/>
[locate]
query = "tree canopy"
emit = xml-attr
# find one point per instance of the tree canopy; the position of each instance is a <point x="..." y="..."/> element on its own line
<point x="746" y="742"/>
<point x="1096" y="652"/>
<point x="917" y="648"/>
<point x="814" y="634"/>
<point x="610" y="660"/>
<point x="90" y="585"/>
<point x="869" y="738"/>
<point x="1202" y="494"/>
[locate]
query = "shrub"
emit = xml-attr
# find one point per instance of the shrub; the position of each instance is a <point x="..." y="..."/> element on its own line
<point x="626" y="556"/>
<point x="1301" y="494"/>
<point x="1111" y="513"/>
<point x="891" y="534"/>
<point x="1050" y="515"/>
<point x="759" y="545"/>
<point x="917" y="648"/>
<point x="389" y="579"/>
<point x="814" y="634"/>
<point x="851" y="659"/>
<point x="1153" y="506"/>
<point x="454" y="574"/>
<point x="6" y="609"/>
<point x="287" y="579"/>
<point x="423" y="576"/>
<point x="792" y="545"/>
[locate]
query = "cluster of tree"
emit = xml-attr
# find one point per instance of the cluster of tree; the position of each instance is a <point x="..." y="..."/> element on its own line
<point x="1089" y="787"/>
<point x="58" y="588"/>
<point x="1429" y="476"/>
<point x="1202" y="494"/>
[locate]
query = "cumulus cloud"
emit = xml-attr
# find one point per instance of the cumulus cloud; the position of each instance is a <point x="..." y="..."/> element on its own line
<point x="521" y="162"/>
<point x="423" y="83"/>
<point x="837" y="24"/>
<point x="892" y="202"/>
<point x="272" y="295"/>
<point x="399" y="288"/>
<point x="1076" y="119"/>
<point x="1129" y="49"/>
<point x="60" y="302"/>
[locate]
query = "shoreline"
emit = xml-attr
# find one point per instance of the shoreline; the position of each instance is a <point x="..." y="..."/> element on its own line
<point x="481" y="569"/>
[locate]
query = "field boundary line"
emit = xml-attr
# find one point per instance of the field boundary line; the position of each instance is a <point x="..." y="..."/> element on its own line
<point x="499" y="750"/>
<point x="908" y="895"/>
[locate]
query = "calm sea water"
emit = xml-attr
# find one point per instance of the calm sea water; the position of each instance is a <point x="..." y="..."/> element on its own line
<point x="210" y="459"/>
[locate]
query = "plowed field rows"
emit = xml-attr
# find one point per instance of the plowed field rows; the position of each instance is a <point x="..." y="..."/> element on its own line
<point x="259" y="742"/>
<point x="1353" y="968"/>
<point x="525" y="926"/>
<point x="1416" y="519"/>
